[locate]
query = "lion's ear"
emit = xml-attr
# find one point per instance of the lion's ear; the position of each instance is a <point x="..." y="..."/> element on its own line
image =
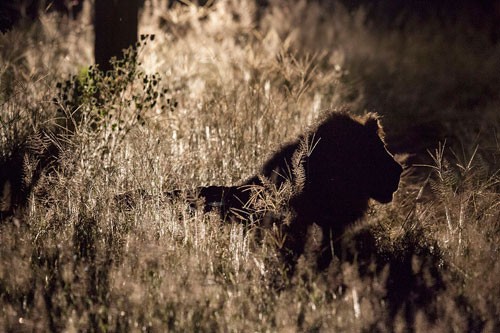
<point x="372" y="123"/>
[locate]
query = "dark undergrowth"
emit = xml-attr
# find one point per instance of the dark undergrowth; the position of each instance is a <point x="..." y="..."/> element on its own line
<point x="208" y="100"/>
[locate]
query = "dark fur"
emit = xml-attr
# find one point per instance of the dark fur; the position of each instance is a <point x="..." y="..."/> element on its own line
<point x="334" y="170"/>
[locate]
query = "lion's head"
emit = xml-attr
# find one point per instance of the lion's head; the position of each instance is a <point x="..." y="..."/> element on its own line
<point x="383" y="171"/>
<point x="348" y="164"/>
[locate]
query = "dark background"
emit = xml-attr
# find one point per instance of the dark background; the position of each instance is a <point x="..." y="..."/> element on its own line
<point x="480" y="15"/>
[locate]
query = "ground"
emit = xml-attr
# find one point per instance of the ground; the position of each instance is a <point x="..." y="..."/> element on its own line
<point x="214" y="96"/>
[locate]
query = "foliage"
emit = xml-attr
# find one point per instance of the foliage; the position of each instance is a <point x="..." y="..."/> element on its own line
<point x="119" y="98"/>
<point x="204" y="103"/>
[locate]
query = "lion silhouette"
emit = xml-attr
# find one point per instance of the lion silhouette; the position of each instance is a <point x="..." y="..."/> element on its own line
<point x="329" y="173"/>
<point x="334" y="169"/>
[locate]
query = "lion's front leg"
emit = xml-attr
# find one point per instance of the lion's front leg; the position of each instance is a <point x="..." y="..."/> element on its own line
<point x="294" y="244"/>
<point x="330" y="247"/>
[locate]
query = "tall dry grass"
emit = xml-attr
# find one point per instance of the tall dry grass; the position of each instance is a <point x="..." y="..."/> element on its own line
<point x="233" y="90"/>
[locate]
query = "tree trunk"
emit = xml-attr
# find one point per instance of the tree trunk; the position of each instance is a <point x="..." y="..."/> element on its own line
<point x="115" y="27"/>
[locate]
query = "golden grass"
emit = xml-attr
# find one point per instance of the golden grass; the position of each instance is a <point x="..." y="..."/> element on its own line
<point x="74" y="261"/>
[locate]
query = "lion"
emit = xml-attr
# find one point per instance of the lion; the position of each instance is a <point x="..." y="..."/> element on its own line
<point x="329" y="174"/>
<point x="334" y="169"/>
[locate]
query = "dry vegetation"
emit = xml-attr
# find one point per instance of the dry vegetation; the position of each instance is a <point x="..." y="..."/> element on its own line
<point x="213" y="95"/>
